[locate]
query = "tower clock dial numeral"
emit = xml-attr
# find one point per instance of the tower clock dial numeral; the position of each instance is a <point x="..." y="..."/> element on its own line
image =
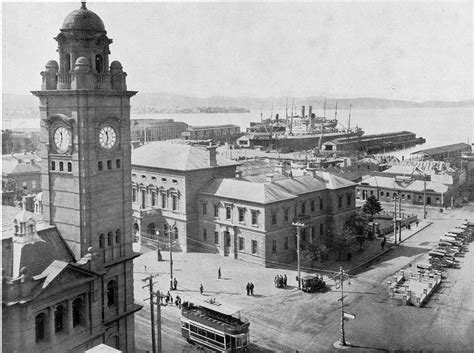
<point x="107" y="137"/>
<point x="62" y="139"/>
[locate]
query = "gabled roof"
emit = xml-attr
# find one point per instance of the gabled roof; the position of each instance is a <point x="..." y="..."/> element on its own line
<point x="334" y="182"/>
<point x="175" y="156"/>
<point x="255" y="167"/>
<point x="447" y="148"/>
<point x="238" y="189"/>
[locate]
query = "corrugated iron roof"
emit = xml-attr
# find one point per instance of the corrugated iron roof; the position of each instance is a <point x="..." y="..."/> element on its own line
<point x="175" y="156"/>
<point x="446" y="148"/>
<point x="413" y="186"/>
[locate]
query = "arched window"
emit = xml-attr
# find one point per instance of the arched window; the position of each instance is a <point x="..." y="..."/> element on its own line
<point x="165" y="229"/>
<point x="67" y="63"/>
<point x="53" y="165"/>
<point x="117" y="163"/>
<point x="118" y="237"/>
<point x="99" y="63"/>
<point x="151" y="229"/>
<point x="175" y="231"/>
<point x="69" y="166"/>
<point x="110" y="239"/>
<point x="102" y="240"/>
<point x="59" y="318"/>
<point x="40" y="323"/>
<point x="61" y="166"/>
<point x="77" y="312"/>
<point x="112" y="289"/>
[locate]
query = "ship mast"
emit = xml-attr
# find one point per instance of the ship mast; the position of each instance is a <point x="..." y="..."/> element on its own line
<point x="349" y="122"/>
<point x="261" y="113"/>
<point x="286" y="111"/>
<point x="292" y="107"/>
<point x="271" y="114"/>
<point x="324" y="117"/>
<point x="335" y="112"/>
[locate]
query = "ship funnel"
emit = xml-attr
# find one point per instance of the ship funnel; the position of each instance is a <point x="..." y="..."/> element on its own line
<point x="302" y="111"/>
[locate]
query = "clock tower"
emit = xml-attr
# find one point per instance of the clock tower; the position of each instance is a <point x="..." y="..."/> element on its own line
<point x="86" y="156"/>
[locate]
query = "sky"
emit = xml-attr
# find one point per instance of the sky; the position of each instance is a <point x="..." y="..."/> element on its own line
<point x="417" y="50"/>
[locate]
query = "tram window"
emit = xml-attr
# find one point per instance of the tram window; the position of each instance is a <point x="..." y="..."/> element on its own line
<point x="220" y="338"/>
<point x="202" y="332"/>
<point x="185" y="324"/>
<point x="239" y="342"/>
<point x="211" y="336"/>
<point x="193" y="328"/>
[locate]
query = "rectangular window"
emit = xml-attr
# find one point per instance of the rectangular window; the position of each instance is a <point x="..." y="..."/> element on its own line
<point x="61" y="166"/>
<point x="303" y="234"/>
<point x="153" y="198"/>
<point x="69" y="167"/>
<point x="381" y="193"/>
<point x="175" y="202"/>
<point x="254" y="218"/>
<point x="241" y="214"/>
<point x="33" y="184"/>
<point x="53" y="165"/>
<point x="228" y="212"/>
<point x="109" y="164"/>
<point x="286" y="214"/>
<point x="216" y="210"/>
<point x="339" y="201"/>
<point x="286" y="243"/>
<point x="216" y="237"/>
<point x="204" y="234"/>
<point x="117" y="164"/>
<point x="143" y="198"/>
<point x="274" y="246"/>
<point x="408" y="197"/>
<point x="274" y="217"/>
<point x="420" y="198"/>
<point x="321" y="203"/>
<point x="321" y="229"/>
<point x="134" y="195"/>
<point x="349" y="199"/>
<point x="312" y="205"/>
<point x="254" y="246"/>
<point x="204" y="208"/>
<point x="241" y="243"/>
<point x="100" y="166"/>
<point x="303" y="207"/>
<point x="163" y="200"/>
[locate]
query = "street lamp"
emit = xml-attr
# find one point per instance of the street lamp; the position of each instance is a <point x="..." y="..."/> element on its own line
<point x="170" y="243"/>
<point x="298" y="224"/>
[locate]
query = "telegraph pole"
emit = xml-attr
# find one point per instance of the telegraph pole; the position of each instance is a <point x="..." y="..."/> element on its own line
<point x="171" y="256"/>
<point x="340" y="278"/>
<point x="149" y="279"/>
<point x="400" y="224"/>
<point x="298" y="226"/>
<point x="395" y="220"/>
<point x="158" y="321"/>
<point x="424" y="196"/>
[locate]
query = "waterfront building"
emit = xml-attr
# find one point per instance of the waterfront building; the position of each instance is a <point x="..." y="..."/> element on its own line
<point x="212" y="132"/>
<point x="444" y="153"/>
<point x="148" y="130"/>
<point x="68" y="281"/>
<point x="166" y="178"/>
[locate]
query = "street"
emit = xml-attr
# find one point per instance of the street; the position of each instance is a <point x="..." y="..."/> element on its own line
<point x="290" y="320"/>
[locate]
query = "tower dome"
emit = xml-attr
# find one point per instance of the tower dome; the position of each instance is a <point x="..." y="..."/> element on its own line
<point x="83" y="19"/>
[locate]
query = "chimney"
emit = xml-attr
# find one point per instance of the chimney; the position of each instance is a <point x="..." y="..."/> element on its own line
<point x="310" y="116"/>
<point x="212" y="156"/>
<point x="269" y="178"/>
<point x="302" y="111"/>
<point x="238" y="174"/>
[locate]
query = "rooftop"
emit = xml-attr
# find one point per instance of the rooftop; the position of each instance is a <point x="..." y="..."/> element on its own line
<point x="174" y="156"/>
<point x="411" y="185"/>
<point x="447" y="148"/>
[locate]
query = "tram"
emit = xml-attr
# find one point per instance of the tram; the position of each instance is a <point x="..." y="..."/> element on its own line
<point x="214" y="326"/>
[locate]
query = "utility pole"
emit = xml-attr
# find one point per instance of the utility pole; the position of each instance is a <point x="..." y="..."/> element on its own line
<point x="424" y="196"/>
<point x="171" y="257"/>
<point x="339" y="279"/>
<point x="158" y="321"/>
<point x="400" y="216"/>
<point x="395" y="220"/>
<point x="149" y="279"/>
<point x="298" y="226"/>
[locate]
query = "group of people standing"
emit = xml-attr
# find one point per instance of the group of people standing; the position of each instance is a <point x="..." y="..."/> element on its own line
<point x="169" y="300"/>
<point x="280" y="281"/>
<point x="250" y="286"/>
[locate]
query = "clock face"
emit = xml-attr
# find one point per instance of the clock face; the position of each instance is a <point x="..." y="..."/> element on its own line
<point x="107" y="137"/>
<point x="62" y="139"/>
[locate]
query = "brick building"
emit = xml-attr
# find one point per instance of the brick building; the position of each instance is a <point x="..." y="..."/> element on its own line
<point x="214" y="132"/>
<point x="68" y="283"/>
<point x="165" y="180"/>
<point x="148" y="130"/>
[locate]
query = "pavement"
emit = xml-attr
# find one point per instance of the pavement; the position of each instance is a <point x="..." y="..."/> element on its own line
<point x="280" y="318"/>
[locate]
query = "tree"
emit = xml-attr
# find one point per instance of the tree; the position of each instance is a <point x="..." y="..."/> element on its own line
<point x="310" y="253"/>
<point x="341" y="238"/>
<point x="371" y="207"/>
<point x="358" y="223"/>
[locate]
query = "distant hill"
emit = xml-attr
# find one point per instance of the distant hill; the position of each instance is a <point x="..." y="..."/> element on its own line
<point x="12" y="102"/>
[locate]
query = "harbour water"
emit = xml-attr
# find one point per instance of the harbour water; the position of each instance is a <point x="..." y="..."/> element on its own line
<point x="439" y="126"/>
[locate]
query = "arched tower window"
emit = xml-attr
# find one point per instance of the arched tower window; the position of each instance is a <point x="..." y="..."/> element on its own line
<point x="151" y="229"/>
<point x="110" y="239"/>
<point x="77" y="312"/>
<point x="112" y="289"/>
<point x="67" y="63"/>
<point x="99" y="63"/>
<point x="40" y="323"/>
<point x="102" y="241"/>
<point x="59" y="313"/>
<point x="118" y="237"/>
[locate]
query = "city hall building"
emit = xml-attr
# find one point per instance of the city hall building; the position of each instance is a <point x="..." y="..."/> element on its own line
<point x="68" y="280"/>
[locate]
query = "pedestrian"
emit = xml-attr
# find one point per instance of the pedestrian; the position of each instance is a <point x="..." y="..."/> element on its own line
<point x="177" y="300"/>
<point x="168" y="297"/>
<point x="175" y="284"/>
<point x="284" y="280"/>
<point x="219" y="273"/>
<point x="349" y="257"/>
<point x="248" y="288"/>
<point x="201" y="289"/>
<point x="171" y="299"/>
<point x="417" y="223"/>
<point x="145" y="268"/>
<point x="382" y="244"/>
<point x="251" y="288"/>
